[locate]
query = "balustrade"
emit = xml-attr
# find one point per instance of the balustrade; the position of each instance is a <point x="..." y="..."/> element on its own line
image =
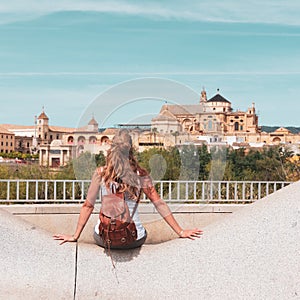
<point x="202" y="192"/>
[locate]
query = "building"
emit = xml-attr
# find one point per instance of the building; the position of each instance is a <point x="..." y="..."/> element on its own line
<point x="214" y="121"/>
<point x="23" y="136"/>
<point x="214" y="116"/>
<point x="29" y="138"/>
<point x="7" y="141"/>
<point x="70" y="142"/>
<point x="56" y="145"/>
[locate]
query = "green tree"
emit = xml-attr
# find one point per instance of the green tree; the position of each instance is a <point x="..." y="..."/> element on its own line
<point x="189" y="162"/>
<point x="204" y="160"/>
<point x="100" y="159"/>
<point x="84" y="166"/>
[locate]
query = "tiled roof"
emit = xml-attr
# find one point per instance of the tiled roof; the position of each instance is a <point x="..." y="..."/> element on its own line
<point x="110" y="131"/>
<point x="183" y="109"/>
<point x="93" y="122"/>
<point x="43" y="116"/>
<point x="164" y="115"/>
<point x="62" y="129"/>
<point x="12" y="127"/>
<point x="3" y="130"/>
<point x="282" y="130"/>
<point x="16" y="127"/>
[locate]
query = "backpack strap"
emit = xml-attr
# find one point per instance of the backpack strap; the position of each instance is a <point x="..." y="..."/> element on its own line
<point x="136" y="204"/>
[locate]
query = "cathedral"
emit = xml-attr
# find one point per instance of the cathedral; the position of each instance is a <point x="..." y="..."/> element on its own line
<point x="214" y="121"/>
<point x="209" y="117"/>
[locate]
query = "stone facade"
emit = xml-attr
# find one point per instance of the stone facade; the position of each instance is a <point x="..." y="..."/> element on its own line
<point x="7" y="141"/>
<point x="213" y="116"/>
<point x="55" y="145"/>
<point x="71" y="142"/>
<point x="215" y="121"/>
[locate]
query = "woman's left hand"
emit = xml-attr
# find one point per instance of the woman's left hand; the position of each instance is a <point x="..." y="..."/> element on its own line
<point x="191" y="233"/>
<point x="64" y="237"/>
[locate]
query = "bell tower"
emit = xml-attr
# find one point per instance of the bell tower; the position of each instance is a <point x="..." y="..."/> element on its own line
<point x="43" y="128"/>
<point x="203" y="97"/>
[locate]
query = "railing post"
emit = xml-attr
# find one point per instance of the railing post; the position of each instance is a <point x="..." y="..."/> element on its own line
<point x="259" y="191"/>
<point x="27" y="190"/>
<point x="46" y="189"/>
<point x="82" y="190"/>
<point x="17" y="190"/>
<point x="64" y="190"/>
<point x="8" y="191"/>
<point x="186" y="191"/>
<point x="73" y="190"/>
<point x="54" y="190"/>
<point x="37" y="190"/>
<point x="235" y="190"/>
<point x="227" y="190"/>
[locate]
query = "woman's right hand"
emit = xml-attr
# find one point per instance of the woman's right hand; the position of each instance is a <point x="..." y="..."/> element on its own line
<point x="191" y="233"/>
<point x="64" y="238"/>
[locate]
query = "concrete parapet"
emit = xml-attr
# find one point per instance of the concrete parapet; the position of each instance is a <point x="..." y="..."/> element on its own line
<point x="31" y="264"/>
<point x="252" y="253"/>
<point x="62" y="218"/>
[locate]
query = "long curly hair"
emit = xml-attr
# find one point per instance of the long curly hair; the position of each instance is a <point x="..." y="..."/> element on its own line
<point x="121" y="165"/>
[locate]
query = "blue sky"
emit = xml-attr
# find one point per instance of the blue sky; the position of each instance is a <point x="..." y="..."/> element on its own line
<point x="65" y="55"/>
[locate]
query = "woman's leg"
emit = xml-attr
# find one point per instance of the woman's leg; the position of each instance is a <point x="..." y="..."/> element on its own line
<point x="98" y="240"/>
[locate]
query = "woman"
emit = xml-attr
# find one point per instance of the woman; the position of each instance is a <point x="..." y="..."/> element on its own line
<point x="123" y="171"/>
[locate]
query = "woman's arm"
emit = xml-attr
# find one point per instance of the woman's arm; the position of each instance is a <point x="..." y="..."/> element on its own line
<point x="166" y="213"/>
<point x="85" y="212"/>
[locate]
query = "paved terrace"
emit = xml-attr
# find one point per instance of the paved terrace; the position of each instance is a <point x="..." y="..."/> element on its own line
<point x="253" y="253"/>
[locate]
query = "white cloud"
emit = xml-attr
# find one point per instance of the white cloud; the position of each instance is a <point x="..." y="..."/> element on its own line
<point x="252" y="11"/>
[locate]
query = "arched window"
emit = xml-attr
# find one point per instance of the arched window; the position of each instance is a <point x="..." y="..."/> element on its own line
<point x="186" y="124"/>
<point x="276" y="140"/>
<point x="92" y="140"/>
<point x="210" y="125"/>
<point x="81" y="140"/>
<point x="70" y="140"/>
<point x="104" y="140"/>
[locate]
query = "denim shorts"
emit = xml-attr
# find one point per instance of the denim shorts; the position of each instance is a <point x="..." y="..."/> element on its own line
<point x="135" y="244"/>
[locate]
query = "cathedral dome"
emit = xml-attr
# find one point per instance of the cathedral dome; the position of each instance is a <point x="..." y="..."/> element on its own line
<point x="218" y="98"/>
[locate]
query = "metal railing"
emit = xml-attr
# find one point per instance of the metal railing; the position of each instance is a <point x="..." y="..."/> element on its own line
<point x="202" y="192"/>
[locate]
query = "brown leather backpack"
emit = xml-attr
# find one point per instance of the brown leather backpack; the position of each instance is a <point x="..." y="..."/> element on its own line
<point x="116" y="227"/>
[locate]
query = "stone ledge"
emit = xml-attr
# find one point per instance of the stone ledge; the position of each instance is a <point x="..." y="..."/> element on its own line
<point x="250" y="254"/>
<point x="22" y="209"/>
<point x="63" y="218"/>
